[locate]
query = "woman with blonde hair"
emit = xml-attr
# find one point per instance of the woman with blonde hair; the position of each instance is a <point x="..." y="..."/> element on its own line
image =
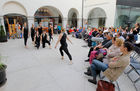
<point x="115" y="68"/>
<point x="62" y="39"/>
<point x="114" y="50"/>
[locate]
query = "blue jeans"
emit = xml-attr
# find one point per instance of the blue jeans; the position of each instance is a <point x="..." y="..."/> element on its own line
<point x="97" y="65"/>
<point x="136" y="37"/>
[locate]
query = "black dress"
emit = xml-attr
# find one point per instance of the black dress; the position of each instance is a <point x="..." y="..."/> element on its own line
<point x="25" y="33"/>
<point x="40" y="30"/>
<point x="32" y="33"/>
<point x="50" y="34"/>
<point x="37" y="42"/>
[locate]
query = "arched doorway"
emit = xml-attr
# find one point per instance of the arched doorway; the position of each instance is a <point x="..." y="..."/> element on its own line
<point x="97" y="18"/>
<point x="13" y="12"/>
<point x="48" y="15"/>
<point x="72" y="18"/>
<point x="10" y="21"/>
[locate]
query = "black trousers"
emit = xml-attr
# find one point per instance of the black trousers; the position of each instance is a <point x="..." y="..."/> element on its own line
<point x="25" y="40"/>
<point x="65" y="49"/>
<point x="44" y="42"/>
<point x="32" y="36"/>
<point x="91" y="49"/>
<point x="37" y="44"/>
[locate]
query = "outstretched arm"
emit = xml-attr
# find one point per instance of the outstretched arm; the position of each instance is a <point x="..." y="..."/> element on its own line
<point x="60" y="36"/>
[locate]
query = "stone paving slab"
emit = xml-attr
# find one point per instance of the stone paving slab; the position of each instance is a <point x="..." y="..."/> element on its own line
<point x="43" y="70"/>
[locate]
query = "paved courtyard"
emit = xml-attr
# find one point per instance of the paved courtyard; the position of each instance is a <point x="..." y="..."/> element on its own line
<point x="43" y="70"/>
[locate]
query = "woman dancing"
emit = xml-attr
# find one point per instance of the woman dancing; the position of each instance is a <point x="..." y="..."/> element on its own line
<point x="62" y="39"/>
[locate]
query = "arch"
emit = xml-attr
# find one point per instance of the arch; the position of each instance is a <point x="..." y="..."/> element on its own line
<point x="73" y="10"/>
<point x="73" y="15"/>
<point x="48" y="14"/>
<point x="97" y="17"/>
<point x="14" y="7"/>
<point x="52" y="10"/>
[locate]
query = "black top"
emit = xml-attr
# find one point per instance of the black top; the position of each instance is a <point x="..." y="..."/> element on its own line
<point x="38" y="38"/>
<point x="94" y="33"/>
<point x="25" y="32"/>
<point x="63" y="40"/>
<point x="32" y="32"/>
<point x="40" y="30"/>
<point x="50" y="31"/>
<point x="136" y="32"/>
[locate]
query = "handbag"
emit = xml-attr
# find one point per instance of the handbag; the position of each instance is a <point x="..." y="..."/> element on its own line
<point x="105" y="86"/>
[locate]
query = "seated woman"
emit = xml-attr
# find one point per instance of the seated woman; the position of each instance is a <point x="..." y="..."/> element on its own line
<point x="114" y="50"/>
<point x="115" y="68"/>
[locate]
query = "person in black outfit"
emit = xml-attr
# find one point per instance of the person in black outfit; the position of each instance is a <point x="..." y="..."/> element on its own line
<point x="25" y="33"/>
<point x="44" y="39"/>
<point x="32" y="32"/>
<point x="37" y="40"/>
<point x="40" y="28"/>
<point x="136" y="31"/>
<point x="62" y="40"/>
<point x="50" y="31"/>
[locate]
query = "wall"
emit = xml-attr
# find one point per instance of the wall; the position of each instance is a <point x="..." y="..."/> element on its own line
<point x="32" y="5"/>
<point x="109" y="6"/>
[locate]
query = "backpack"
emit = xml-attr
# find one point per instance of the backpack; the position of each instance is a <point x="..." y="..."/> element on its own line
<point x="97" y="54"/>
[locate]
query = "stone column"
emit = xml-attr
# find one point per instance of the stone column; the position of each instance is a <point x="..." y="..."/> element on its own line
<point x="64" y="23"/>
<point x="30" y="21"/>
<point x="79" y="22"/>
<point x="2" y="22"/>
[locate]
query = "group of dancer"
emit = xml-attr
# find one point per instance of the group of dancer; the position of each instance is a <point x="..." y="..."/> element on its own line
<point x="42" y="36"/>
<point x="38" y="36"/>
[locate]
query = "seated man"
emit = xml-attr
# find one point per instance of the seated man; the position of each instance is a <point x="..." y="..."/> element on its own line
<point x="78" y="33"/>
<point x="115" y="68"/>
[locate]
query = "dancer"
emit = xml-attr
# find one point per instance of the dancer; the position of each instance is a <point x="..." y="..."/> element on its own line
<point x="32" y="32"/>
<point x="44" y="39"/>
<point x="25" y="33"/>
<point x="50" y="31"/>
<point x="62" y="39"/>
<point x="37" y="40"/>
<point x="40" y="28"/>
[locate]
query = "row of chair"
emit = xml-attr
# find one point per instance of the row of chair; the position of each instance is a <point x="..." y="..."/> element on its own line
<point x="133" y="71"/>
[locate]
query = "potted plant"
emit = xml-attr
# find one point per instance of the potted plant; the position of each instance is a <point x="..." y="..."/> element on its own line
<point x="3" y="78"/>
<point x="3" y="37"/>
